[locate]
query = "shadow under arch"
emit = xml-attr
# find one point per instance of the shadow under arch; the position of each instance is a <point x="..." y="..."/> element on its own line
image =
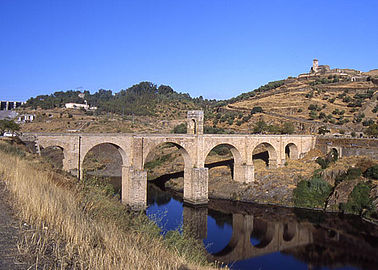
<point x="122" y="153"/>
<point x="183" y="152"/>
<point x="289" y="231"/>
<point x="104" y="161"/>
<point x="266" y="152"/>
<point x="291" y="151"/>
<point x="54" y="154"/>
<point x="235" y="160"/>
<point x="179" y="168"/>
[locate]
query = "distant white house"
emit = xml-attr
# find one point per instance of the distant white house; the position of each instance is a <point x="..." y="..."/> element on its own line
<point x="76" y="106"/>
<point x="79" y="106"/>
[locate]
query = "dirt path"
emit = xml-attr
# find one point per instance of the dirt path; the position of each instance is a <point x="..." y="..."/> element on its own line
<point x="9" y="233"/>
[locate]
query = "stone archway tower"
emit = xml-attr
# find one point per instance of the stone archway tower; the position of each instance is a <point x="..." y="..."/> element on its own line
<point x="195" y="122"/>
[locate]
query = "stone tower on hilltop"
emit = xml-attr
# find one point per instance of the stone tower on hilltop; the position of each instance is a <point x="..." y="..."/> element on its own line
<point x="315" y="65"/>
<point x="322" y="69"/>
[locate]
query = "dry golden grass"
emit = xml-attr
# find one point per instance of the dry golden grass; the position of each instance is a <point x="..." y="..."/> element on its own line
<point x="81" y="228"/>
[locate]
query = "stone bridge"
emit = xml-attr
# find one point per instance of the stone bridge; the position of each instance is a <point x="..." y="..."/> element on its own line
<point x="194" y="147"/>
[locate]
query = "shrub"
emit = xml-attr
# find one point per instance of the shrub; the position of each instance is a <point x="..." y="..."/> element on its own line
<point x="323" y="130"/>
<point x="180" y="129"/>
<point x="372" y="130"/>
<point x="359" y="200"/>
<point x="372" y="172"/>
<point x="312" y="193"/>
<point x="322" y="162"/>
<point x="256" y="110"/>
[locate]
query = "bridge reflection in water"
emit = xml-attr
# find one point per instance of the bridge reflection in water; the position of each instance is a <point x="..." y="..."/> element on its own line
<point x="310" y="238"/>
<point x="270" y="236"/>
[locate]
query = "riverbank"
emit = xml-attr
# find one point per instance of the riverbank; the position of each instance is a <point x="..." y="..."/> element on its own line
<point x="332" y="189"/>
<point x="81" y="226"/>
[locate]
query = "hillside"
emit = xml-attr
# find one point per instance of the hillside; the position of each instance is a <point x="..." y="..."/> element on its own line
<point x="341" y="101"/>
<point x="339" y="106"/>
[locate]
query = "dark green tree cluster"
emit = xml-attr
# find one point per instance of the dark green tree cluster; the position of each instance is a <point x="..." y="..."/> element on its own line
<point x="8" y="126"/>
<point x="312" y="193"/>
<point x="262" y="127"/>
<point x="359" y="201"/>
<point x="140" y="99"/>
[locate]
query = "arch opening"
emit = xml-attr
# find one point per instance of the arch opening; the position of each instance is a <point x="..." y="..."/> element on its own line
<point x="264" y="155"/>
<point x="291" y="151"/>
<point x="54" y="155"/>
<point x="221" y="160"/>
<point x="165" y="165"/>
<point x="102" y="165"/>
<point x="262" y="234"/>
<point x="194" y="126"/>
<point x="289" y="232"/>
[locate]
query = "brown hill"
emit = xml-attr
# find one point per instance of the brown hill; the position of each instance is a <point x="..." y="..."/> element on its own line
<point x="342" y="105"/>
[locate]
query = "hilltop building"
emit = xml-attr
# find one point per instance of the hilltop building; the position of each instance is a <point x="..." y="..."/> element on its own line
<point x="84" y="106"/>
<point x="324" y="70"/>
<point x="319" y="69"/>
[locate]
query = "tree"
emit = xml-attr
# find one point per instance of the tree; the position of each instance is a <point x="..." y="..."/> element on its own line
<point x="323" y="130"/>
<point x="8" y="125"/>
<point x="260" y="127"/>
<point x="257" y="109"/>
<point x="287" y="128"/>
<point x="180" y="129"/>
<point x="372" y="130"/>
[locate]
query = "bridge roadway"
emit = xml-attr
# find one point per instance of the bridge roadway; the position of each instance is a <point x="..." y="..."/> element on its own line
<point x="194" y="148"/>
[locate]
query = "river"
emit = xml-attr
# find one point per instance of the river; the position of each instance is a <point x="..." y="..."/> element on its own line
<point x="247" y="236"/>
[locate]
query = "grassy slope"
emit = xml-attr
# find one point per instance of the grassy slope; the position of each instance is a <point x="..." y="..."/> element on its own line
<point x="79" y="226"/>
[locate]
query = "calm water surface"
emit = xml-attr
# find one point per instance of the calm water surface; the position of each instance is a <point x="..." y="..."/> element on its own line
<point x="246" y="236"/>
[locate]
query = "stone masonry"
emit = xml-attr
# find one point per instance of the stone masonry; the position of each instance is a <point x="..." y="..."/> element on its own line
<point x="194" y="147"/>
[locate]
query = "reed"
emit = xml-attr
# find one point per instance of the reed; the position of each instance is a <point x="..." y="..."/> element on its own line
<point x="78" y="226"/>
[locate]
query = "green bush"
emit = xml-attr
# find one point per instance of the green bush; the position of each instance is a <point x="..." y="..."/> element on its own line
<point x="372" y="172"/>
<point x="312" y="193"/>
<point x="256" y="110"/>
<point x="180" y="129"/>
<point x="359" y="200"/>
<point x="322" y="162"/>
<point x="351" y="174"/>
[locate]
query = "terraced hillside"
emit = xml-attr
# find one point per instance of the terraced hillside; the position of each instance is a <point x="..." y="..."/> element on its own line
<point x="343" y="106"/>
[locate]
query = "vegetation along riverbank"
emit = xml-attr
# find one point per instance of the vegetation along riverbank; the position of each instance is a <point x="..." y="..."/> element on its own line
<point x="76" y="225"/>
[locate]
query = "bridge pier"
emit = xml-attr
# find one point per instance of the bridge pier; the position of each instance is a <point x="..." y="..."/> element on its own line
<point x="134" y="188"/>
<point x="196" y="186"/>
<point x="244" y="173"/>
<point x="273" y="163"/>
<point x="195" y="221"/>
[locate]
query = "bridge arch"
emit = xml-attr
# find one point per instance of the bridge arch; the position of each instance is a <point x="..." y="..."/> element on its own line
<point x="289" y="231"/>
<point x="49" y="144"/>
<point x="185" y="171"/>
<point x="184" y="153"/>
<point x="236" y="155"/>
<point x="291" y="151"/>
<point x="271" y="159"/>
<point x="122" y="152"/>
<point x="264" y="232"/>
<point x="54" y="153"/>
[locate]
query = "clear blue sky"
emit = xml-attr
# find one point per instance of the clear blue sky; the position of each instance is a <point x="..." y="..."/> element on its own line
<point x="214" y="48"/>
